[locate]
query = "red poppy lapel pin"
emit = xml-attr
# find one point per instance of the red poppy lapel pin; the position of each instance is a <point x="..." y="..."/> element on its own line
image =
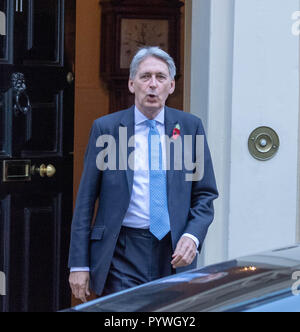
<point x="176" y="132"/>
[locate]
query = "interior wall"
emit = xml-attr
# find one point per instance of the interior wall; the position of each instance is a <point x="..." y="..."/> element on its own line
<point x="176" y="100"/>
<point x="91" y="95"/>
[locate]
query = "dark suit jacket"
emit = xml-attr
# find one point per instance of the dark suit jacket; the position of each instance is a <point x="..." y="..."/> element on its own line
<point x="190" y="203"/>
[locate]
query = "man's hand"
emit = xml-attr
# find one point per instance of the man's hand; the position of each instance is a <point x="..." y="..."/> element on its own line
<point x="79" y="283"/>
<point x="185" y="252"/>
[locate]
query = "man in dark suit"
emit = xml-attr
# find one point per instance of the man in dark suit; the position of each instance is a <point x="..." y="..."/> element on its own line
<point x="154" y="208"/>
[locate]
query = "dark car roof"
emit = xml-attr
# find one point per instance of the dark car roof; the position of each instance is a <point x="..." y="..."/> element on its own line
<point x="228" y="286"/>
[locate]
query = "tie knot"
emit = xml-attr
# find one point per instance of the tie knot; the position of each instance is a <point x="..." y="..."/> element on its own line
<point x="151" y="124"/>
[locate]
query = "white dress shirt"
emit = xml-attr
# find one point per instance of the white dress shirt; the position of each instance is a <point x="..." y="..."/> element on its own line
<point x="137" y="215"/>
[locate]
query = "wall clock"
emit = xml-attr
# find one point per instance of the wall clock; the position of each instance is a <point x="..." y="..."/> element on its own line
<point x="126" y="26"/>
<point x="137" y="33"/>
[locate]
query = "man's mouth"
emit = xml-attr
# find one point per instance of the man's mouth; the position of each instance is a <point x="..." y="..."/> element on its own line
<point x="151" y="96"/>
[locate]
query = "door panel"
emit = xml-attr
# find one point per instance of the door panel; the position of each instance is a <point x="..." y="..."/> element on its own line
<point x="45" y="26"/>
<point x="36" y="131"/>
<point x="41" y="42"/>
<point x="4" y="240"/>
<point x="6" y="7"/>
<point x="35" y="243"/>
<point x="5" y="125"/>
<point x="44" y="126"/>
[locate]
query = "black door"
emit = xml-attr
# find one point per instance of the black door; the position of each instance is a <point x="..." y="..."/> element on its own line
<point x="36" y="159"/>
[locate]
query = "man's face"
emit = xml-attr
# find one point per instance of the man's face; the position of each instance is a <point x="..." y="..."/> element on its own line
<point x="152" y="86"/>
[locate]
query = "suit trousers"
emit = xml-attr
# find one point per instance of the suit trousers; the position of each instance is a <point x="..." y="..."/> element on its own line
<point x="139" y="257"/>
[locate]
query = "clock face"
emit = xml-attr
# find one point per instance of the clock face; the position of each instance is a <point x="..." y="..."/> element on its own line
<point x="137" y="33"/>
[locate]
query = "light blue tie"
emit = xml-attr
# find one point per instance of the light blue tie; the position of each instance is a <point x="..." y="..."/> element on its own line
<point x="159" y="214"/>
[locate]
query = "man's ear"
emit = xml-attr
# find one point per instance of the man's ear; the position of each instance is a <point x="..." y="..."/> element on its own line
<point x="131" y="86"/>
<point x="172" y="89"/>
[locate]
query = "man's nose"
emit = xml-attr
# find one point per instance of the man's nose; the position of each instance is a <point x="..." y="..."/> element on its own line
<point x="153" y="82"/>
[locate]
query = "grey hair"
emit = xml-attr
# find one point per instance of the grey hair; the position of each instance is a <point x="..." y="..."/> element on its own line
<point x="156" y="52"/>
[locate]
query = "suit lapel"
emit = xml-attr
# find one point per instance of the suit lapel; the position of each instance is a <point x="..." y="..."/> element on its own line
<point x="170" y="123"/>
<point x="128" y="122"/>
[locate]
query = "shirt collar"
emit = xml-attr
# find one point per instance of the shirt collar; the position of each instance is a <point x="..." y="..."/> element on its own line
<point x="139" y="117"/>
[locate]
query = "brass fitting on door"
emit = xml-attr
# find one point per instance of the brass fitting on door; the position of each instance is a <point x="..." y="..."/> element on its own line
<point x="44" y="170"/>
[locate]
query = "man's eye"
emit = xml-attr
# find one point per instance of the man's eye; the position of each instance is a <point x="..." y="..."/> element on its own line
<point x="145" y="77"/>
